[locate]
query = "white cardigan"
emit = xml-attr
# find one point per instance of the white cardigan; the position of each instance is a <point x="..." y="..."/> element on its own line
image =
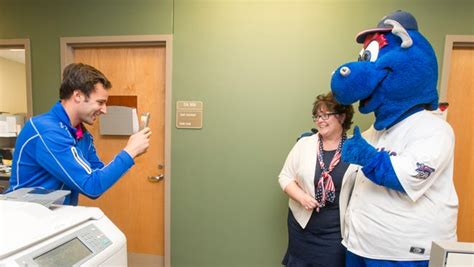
<point x="300" y="166"/>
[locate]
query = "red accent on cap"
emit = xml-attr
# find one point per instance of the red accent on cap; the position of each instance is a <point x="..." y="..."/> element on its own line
<point x="379" y="37"/>
<point x="360" y="37"/>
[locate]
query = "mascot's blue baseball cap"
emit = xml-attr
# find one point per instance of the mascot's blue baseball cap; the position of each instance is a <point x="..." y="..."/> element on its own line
<point x="404" y="18"/>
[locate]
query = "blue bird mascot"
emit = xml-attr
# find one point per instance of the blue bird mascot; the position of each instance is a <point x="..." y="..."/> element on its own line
<point x="403" y="195"/>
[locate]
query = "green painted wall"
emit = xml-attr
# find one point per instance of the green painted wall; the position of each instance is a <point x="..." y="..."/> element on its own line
<point x="257" y="66"/>
<point x="44" y="22"/>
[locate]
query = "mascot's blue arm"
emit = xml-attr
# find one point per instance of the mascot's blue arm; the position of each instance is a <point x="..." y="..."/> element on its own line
<point x="376" y="165"/>
<point x="306" y="134"/>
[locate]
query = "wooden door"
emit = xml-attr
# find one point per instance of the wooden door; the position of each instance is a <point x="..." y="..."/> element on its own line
<point x="461" y="117"/>
<point x="134" y="204"/>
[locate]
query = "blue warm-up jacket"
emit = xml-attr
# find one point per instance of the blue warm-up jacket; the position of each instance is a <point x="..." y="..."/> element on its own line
<point x="48" y="155"/>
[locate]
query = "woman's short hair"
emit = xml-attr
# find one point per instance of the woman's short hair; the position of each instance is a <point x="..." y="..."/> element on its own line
<point x="330" y="103"/>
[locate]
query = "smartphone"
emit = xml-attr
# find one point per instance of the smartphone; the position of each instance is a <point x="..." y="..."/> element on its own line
<point x="144" y="120"/>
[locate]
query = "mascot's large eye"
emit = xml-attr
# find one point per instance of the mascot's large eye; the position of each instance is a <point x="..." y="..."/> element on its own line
<point x="370" y="53"/>
<point x="364" y="55"/>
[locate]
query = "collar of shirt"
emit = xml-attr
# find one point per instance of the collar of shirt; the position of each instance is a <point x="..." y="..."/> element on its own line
<point x="60" y="112"/>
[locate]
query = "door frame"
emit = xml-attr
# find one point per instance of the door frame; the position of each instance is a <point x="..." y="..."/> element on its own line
<point x="67" y="46"/>
<point x="23" y="44"/>
<point x="451" y="42"/>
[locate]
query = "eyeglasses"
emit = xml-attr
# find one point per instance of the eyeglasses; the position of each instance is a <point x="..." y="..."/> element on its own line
<point x="324" y="116"/>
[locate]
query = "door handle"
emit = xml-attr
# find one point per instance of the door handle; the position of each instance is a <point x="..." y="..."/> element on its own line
<point x="156" y="179"/>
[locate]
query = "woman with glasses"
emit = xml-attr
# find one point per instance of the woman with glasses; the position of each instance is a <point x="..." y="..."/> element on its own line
<point x="312" y="177"/>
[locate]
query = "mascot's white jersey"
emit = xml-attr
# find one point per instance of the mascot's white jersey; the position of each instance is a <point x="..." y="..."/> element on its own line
<point x="381" y="223"/>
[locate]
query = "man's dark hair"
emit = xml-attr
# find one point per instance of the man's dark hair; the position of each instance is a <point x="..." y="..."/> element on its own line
<point x="78" y="76"/>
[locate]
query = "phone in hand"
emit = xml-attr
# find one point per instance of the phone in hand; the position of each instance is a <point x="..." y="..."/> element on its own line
<point x="144" y="120"/>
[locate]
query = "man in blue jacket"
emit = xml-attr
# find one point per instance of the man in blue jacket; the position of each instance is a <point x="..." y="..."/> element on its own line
<point x="55" y="151"/>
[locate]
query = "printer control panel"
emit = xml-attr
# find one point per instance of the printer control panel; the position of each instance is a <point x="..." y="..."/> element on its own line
<point x="94" y="238"/>
<point x="72" y="249"/>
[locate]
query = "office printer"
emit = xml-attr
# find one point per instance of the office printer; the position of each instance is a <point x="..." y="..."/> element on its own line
<point x="32" y="234"/>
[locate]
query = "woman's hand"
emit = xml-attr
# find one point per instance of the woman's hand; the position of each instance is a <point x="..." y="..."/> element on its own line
<point x="299" y="195"/>
<point x="308" y="202"/>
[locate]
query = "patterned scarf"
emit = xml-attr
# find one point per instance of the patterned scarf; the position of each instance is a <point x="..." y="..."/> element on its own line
<point x="325" y="189"/>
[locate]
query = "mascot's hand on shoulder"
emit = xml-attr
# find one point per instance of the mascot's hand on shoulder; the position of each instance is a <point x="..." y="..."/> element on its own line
<point x="357" y="151"/>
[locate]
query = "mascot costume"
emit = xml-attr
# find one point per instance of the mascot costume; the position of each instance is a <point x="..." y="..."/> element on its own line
<point x="403" y="195"/>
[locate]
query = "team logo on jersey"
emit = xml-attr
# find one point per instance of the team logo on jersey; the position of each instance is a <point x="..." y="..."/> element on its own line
<point x="423" y="171"/>
<point x="417" y="250"/>
<point x="63" y="126"/>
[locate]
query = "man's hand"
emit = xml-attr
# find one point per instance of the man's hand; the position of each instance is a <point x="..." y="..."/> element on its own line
<point x="138" y="143"/>
<point x="356" y="150"/>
